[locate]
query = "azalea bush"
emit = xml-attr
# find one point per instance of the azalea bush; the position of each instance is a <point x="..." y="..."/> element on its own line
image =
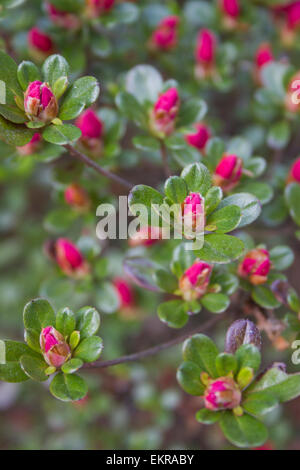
<point x="178" y="122"/>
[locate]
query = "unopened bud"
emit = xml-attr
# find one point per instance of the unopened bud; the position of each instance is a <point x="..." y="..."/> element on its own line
<point x="242" y="332"/>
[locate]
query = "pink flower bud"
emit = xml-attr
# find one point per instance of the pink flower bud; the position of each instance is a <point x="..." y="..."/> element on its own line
<point x="97" y="8"/>
<point x="124" y="292"/>
<point x="54" y="347"/>
<point x="146" y="236"/>
<point x="193" y="215"/>
<point x="293" y="15"/>
<point x="205" y="54"/>
<point x="69" y="258"/>
<point x="228" y="172"/>
<point x="40" y="42"/>
<point x="40" y="103"/>
<point x="63" y="19"/>
<point x="200" y="137"/>
<point x="32" y="146"/>
<point x="164" y="113"/>
<point x="165" y="36"/>
<point x="263" y="55"/>
<point x="255" y="266"/>
<point x="91" y="131"/>
<point x="194" y="282"/>
<point x="294" y="175"/>
<point x="77" y="197"/>
<point x="222" y="394"/>
<point x="230" y="8"/>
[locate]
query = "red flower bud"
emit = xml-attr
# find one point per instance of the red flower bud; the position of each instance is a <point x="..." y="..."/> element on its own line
<point x="146" y="236"/>
<point x="255" y="266"/>
<point x="263" y="55"/>
<point x="228" y="172"/>
<point x="77" y="197"/>
<point x="164" y="113"/>
<point x="96" y="8"/>
<point x="194" y="282"/>
<point x="54" y="347"/>
<point x="124" y="292"/>
<point x="69" y="258"/>
<point x="40" y="103"/>
<point x="200" y="137"/>
<point x="193" y="215"/>
<point x="222" y="394"/>
<point x="40" y="43"/>
<point x="294" y="174"/>
<point x="205" y="54"/>
<point x="91" y="131"/>
<point x="32" y="146"/>
<point x="63" y="19"/>
<point x="165" y="36"/>
<point x="230" y="8"/>
<point x="293" y="15"/>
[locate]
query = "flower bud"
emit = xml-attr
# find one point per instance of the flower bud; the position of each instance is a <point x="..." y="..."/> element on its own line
<point x="63" y="19"/>
<point x="32" y="146"/>
<point x="146" y="236"/>
<point x="77" y="197"/>
<point x="91" y="131"/>
<point x="205" y="54"/>
<point x="40" y="103"/>
<point x="255" y="266"/>
<point x="165" y="36"/>
<point x="263" y="57"/>
<point x="200" y="137"/>
<point x="194" y="282"/>
<point x="230" y="8"/>
<point x="192" y="216"/>
<point x="164" y="113"/>
<point x="124" y="292"/>
<point x="294" y="174"/>
<point x="97" y="8"/>
<point x="222" y="394"/>
<point x="228" y="172"/>
<point x="69" y="258"/>
<point x="54" y="347"/>
<point x="40" y="44"/>
<point x="242" y="332"/>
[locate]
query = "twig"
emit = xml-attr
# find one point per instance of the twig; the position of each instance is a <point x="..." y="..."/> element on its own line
<point x="92" y="164"/>
<point x="164" y="156"/>
<point x="154" y="350"/>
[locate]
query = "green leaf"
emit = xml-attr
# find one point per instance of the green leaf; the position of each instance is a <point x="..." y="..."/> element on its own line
<point x="65" y="321"/>
<point x="212" y="199"/>
<point x="273" y="75"/>
<point x="248" y="355"/>
<point x="131" y="108"/>
<point x="282" y="257"/>
<point x="68" y="387"/>
<point x="142" y="271"/>
<point x="240" y="147"/>
<point x="55" y="67"/>
<point x="182" y="259"/>
<point x="249" y="205"/>
<point x="245" y="377"/>
<point x="279" y="135"/>
<point x="144" y="82"/>
<point x="32" y="338"/>
<point x="219" y="248"/>
<point x="214" y="150"/>
<point x="72" y="366"/>
<point x="27" y="73"/>
<point x="10" y="369"/>
<point x="197" y="178"/>
<point x="215" y="303"/>
<point x="264" y="297"/>
<point x="107" y="299"/>
<point x="146" y="143"/>
<point x="188" y="376"/>
<point x="205" y="416"/>
<point x="243" y="431"/>
<point x="88" y="321"/>
<point x="292" y="195"/>
<point x="84" y="91"/>
<point x="276" y="382"/>
<point x="14" y="134"/>
<point x="8" y="74"/>
<point x="262" y="191"/>
<point x="176" y="189"/>
<point x="34" y="367"/>
<point x="100" y="46"/>
<point x="228" y="282"/>
<point x="256" y="165"/>
<point x="59" y="220"/>
<point x="226" y="363"/>
<point x="166" y="281"/>
<point x="61" y="135"/>
<point x="89" y="349"/>
<point x="60" y="86"/>
<point x="12" y="113"/>
<point x="38" y="314"/>
<point x="173" y="313"/>
<point x="146" y="196"/>
<point x="202" y="351"/>
<point x="224" y="220"/>
<point x="191" y="111"/>
<point x="259" y="403"/>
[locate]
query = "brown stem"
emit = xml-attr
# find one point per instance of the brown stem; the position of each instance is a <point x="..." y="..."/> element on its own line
<point x="154" y="350"/>
<point x="164" y="156"/>
<point x="92" y="164"/>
